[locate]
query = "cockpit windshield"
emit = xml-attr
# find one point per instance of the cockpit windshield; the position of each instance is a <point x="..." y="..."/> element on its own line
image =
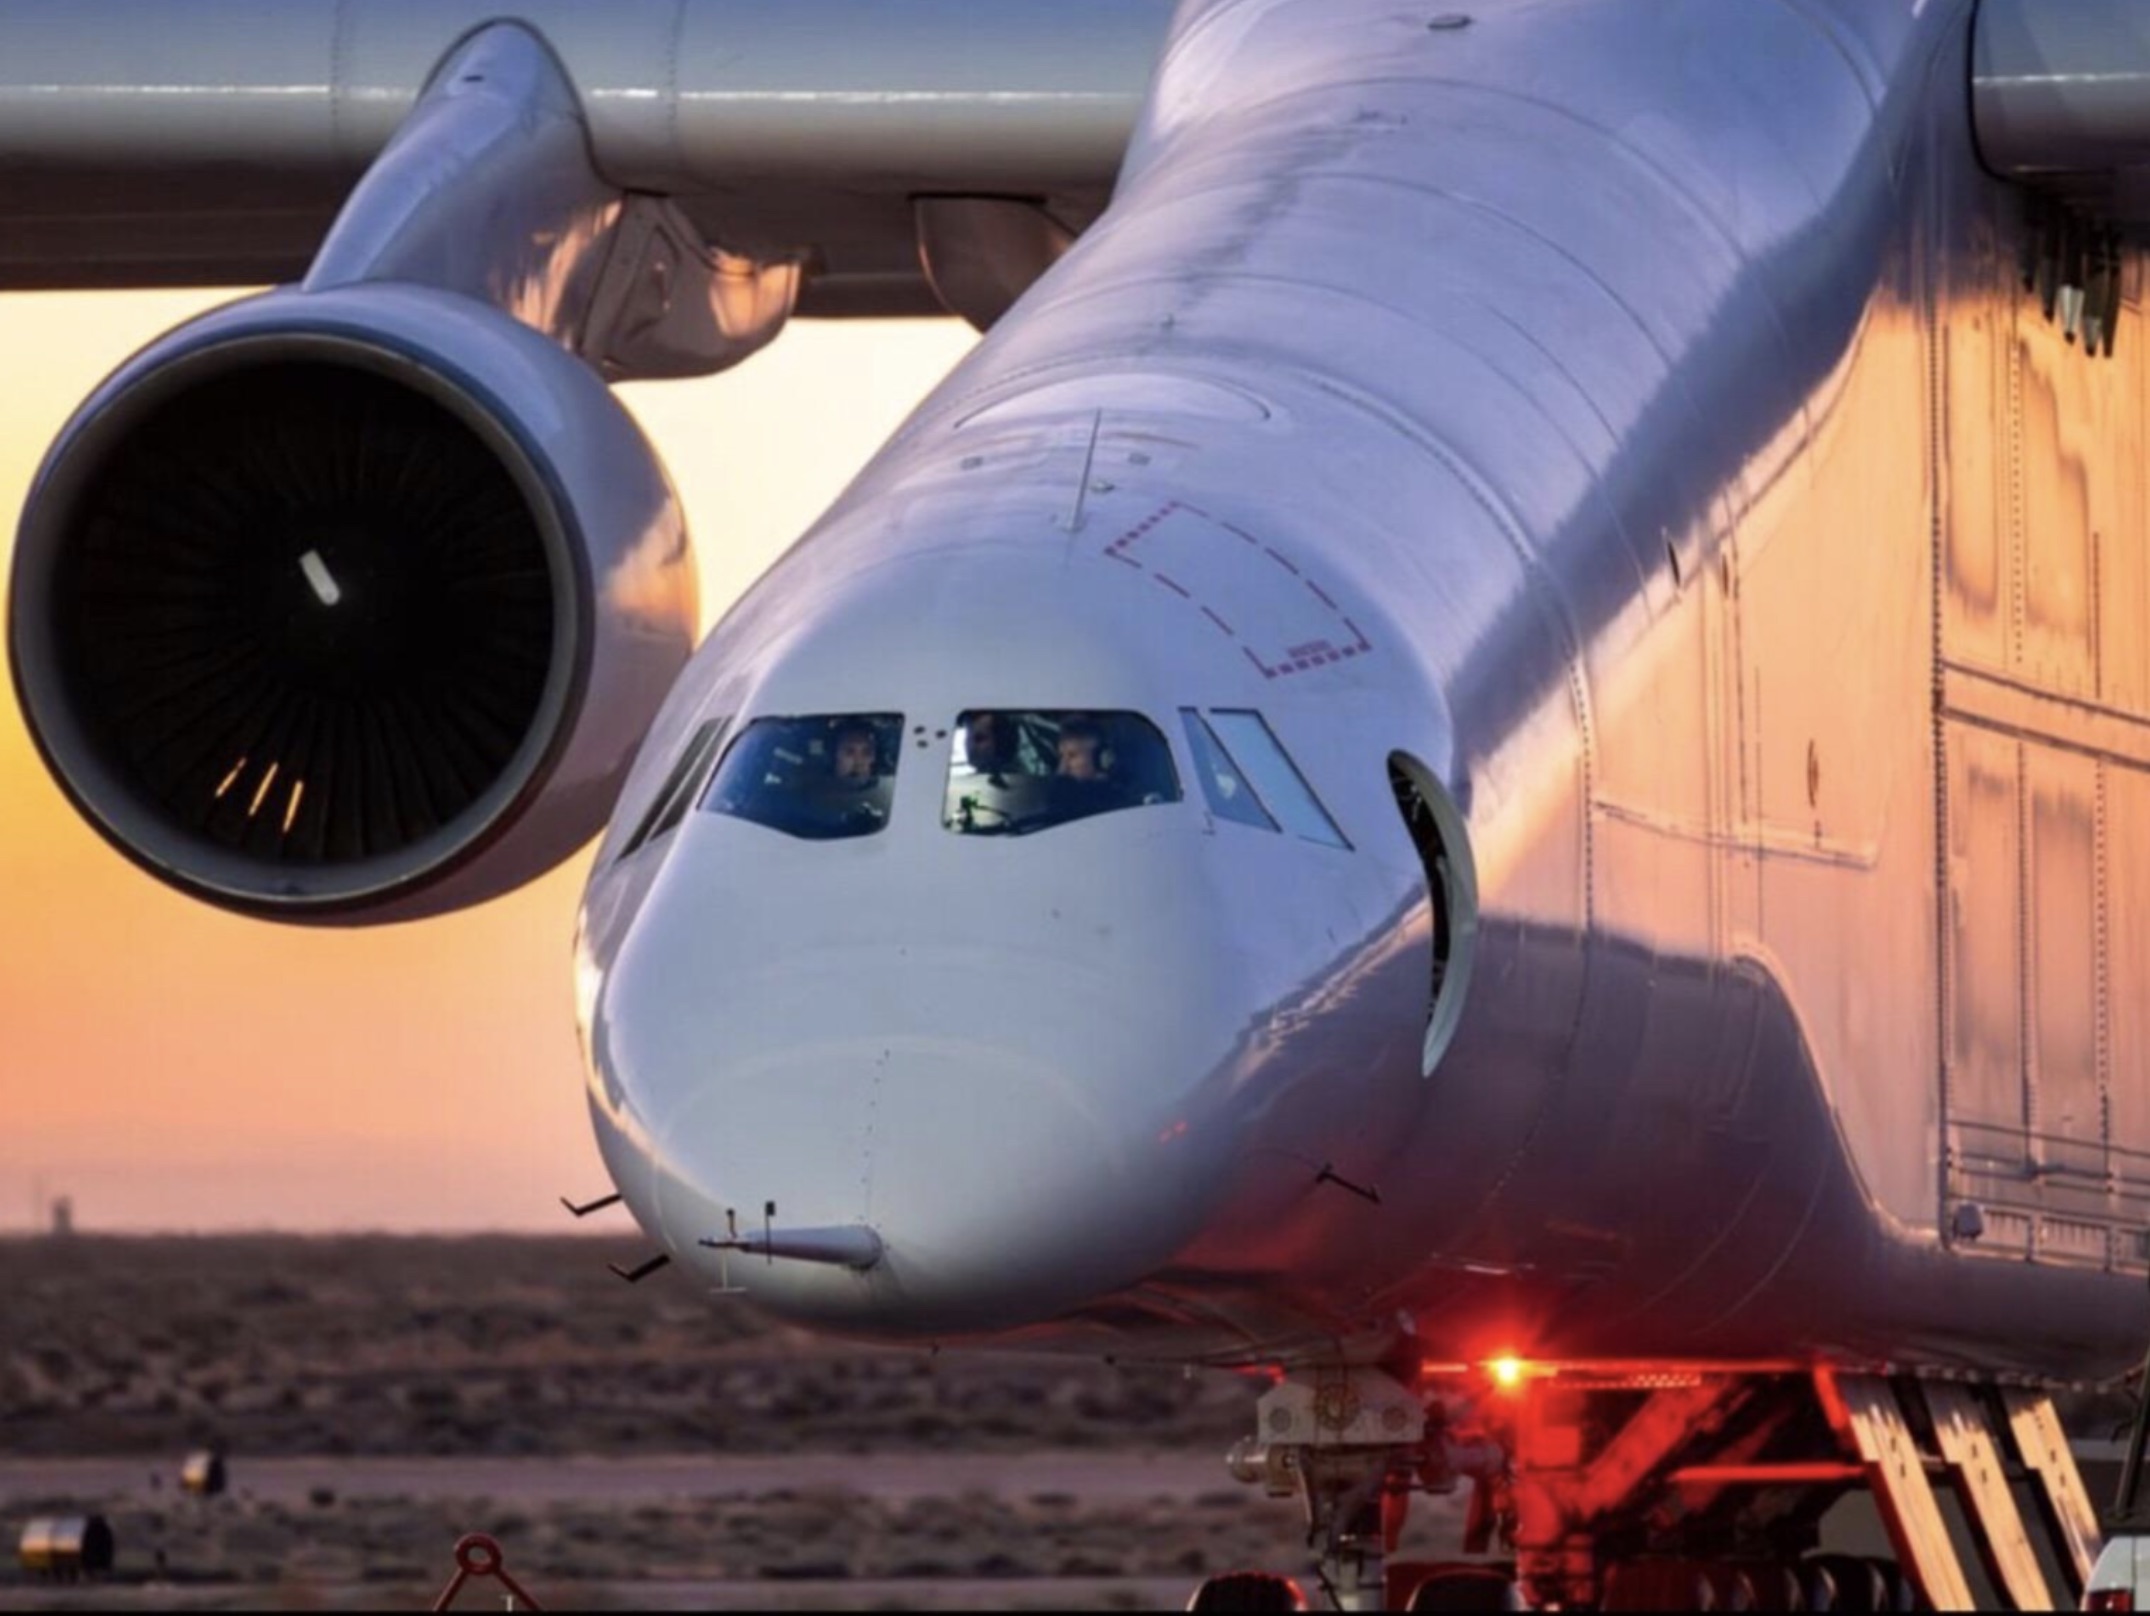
<point x="1016" y="771"/>
<point x="822" y="779"/>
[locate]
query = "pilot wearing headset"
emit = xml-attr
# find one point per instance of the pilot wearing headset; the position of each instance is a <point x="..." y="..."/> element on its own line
<point x="1082" y="784"/>
<point x="852" y="799"/>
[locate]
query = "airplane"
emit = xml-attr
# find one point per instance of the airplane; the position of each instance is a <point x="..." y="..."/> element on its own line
<point x="1491" y="759"/>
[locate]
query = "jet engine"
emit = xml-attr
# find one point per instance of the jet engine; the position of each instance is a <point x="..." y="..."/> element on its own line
<point x="349" y="606"/>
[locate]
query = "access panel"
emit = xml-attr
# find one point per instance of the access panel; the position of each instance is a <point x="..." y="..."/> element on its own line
<point x="2047" y="1086"/>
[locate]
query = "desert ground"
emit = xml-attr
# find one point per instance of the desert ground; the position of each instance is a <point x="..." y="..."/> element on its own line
<point x="629" y="1446"/>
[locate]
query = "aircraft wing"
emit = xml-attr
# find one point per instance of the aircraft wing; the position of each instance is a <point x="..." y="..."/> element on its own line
<point x="214" y="142"/>
<point x="476" y="215"/>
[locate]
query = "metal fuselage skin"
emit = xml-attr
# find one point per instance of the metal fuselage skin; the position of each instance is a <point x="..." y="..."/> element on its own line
<point x="1630" y="413"/>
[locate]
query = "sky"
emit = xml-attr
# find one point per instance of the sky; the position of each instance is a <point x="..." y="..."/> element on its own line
<point x="171" y="1067"/>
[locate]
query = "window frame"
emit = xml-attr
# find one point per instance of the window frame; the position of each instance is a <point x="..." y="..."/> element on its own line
<point x="1200" y="736"/>
<point x="1321" y="829"/>
<point x="683" y="785"/>
<point x="1113" y="723"/>
<point x="744" y="730"/>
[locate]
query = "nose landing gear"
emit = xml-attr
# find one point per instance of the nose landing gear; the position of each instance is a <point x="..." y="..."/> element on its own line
<point x="1352" y="1445"/>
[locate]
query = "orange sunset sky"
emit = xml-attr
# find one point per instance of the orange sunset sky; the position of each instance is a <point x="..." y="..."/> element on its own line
<point x="172" y="1067"/>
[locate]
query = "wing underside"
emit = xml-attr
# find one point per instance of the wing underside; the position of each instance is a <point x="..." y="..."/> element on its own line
<point x="859" y="138"/>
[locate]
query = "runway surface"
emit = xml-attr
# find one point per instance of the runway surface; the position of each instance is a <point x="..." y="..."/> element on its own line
<point x="1091" y="1477"/>
<point x="1047" y="1530"/>
<point x="1043" y="1594"/>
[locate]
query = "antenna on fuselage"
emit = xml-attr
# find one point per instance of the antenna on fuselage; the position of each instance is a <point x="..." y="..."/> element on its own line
<point x="724" y="1251"/>
<point x="589" y="1207"/>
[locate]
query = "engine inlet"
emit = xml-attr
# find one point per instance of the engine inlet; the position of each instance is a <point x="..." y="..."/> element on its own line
<point x="306" y="612"/>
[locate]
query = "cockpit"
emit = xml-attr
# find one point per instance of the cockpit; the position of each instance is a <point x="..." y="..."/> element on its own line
<point x="822" y="779"/>
<point x="1010" y="772"/>
<point x="1013" y="772"/>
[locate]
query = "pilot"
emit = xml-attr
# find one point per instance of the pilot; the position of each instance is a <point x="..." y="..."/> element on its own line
<point x="1081" y="786"/>
<point x="1081" y="748"/>
<point x="849" y="800"/>
<point x="989" y="743"/>
<point x="856" y="760"/>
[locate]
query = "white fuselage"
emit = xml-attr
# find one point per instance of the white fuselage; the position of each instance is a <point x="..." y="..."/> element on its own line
<point x="1552" y="409"/>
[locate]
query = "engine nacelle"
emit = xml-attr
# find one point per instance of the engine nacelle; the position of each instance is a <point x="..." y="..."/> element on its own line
<point x="349" y="606"/>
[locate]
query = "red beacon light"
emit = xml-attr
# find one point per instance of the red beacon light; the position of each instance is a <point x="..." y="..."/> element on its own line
<point x="1507" y="1372"/>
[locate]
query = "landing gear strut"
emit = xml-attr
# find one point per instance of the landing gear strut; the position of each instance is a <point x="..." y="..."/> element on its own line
<point x="1667" y="1486"/>
<point x="1353" y="1445"/>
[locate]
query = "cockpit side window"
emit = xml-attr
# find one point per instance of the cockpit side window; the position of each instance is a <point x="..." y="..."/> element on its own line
<point x="680" y="787"/>
<point x="1230" y="797"/>
<point x="825" y="778"/>
<point x="1276" y="780"/>
<point x="1016" y="771"/>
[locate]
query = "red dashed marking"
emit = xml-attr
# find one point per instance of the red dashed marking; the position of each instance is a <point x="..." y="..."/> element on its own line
<point x="1298" y="659"/>
<point x="1144" y="526"/>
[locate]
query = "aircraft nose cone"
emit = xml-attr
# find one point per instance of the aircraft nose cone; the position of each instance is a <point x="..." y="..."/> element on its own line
<point x="996" y="1195"/>
<point x="1003" y="1184"/>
